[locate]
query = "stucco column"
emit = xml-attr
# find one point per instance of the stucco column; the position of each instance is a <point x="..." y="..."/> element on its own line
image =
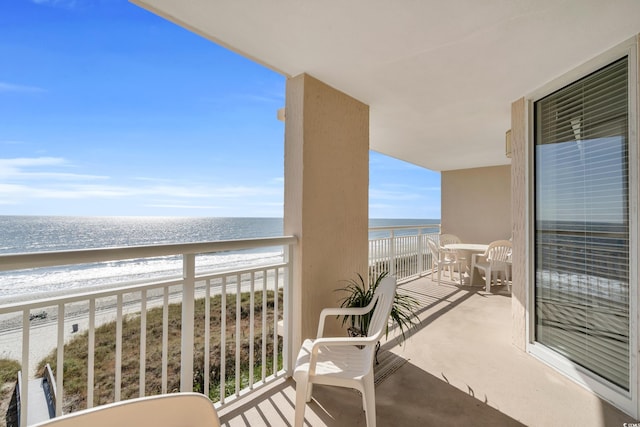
<point x="326" y="196"/>
<point x="519" y="216"/>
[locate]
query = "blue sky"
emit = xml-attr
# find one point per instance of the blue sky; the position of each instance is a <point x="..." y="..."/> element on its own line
<point x="107" y="109"/>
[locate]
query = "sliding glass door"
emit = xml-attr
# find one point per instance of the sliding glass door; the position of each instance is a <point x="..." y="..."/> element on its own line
<point x="582" y="223"/>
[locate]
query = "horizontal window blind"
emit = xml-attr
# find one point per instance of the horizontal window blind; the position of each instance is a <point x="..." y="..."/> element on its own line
<point x="582" y="223"/>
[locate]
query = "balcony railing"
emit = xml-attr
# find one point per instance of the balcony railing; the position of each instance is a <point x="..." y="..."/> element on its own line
<point x="193" y="326"/>
<point x="252" y="307"/>
<point x="401" y="251"/>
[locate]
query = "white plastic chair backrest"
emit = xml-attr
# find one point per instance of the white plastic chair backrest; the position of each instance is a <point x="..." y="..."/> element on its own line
<point x="167" y="410"/>
<point x="385" y="294"/>
<point x="433" y="247"/>
<point x="446" y="239"/>
<point x="441" y="254"/>
<point x="499" y="252"/>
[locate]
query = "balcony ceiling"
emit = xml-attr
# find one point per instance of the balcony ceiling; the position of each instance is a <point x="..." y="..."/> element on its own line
<point x="439" y="76"/>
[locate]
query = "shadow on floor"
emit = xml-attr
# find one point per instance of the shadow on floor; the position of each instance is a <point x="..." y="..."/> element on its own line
<point x="409" y="397"/>
<point x="435" y="301"/>
<point x="413" y="397"/>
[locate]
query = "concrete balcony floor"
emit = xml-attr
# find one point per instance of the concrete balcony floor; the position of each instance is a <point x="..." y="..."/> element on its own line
<point x="461" y="369"/>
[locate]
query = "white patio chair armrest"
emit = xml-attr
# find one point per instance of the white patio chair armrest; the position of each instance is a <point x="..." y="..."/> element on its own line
<point x="479" y="257"/>
<point x="350" y="311"/>
<point x="338" y="341"/>
<point x="342" y="311"/>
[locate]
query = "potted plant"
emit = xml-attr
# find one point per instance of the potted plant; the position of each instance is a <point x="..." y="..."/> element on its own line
<point x="359" y="294"/>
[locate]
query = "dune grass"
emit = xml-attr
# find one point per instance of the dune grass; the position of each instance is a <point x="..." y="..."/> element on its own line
<point x="8" y="375"/>
<point x="8" y="370"/>
<point x="76" y="352"/>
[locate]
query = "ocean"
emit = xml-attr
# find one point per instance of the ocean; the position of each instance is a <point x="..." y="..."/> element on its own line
<point x="25" y="234"/>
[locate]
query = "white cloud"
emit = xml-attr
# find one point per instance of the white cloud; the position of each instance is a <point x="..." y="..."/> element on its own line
<point x="17" y="169"/>
<point x="151" y="179"/>
<point x="10" y="189"/>
<point x="11" y="87"/>
<point x="46" y="181"/>
<point x="243" y="191"/>
<point x="392" y="195"/>
<point x="61" y="190"/>
<point x="180" y="206"/>
<point x="67" y="4"/>
<point x="10" y="168"/>
<point x="32" y="161"/>
<point x="62" y="176"/>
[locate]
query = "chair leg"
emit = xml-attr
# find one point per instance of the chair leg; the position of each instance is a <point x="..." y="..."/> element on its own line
<point x="369" y="399"/>
<point x="473" y="271"/>
<point x="460" y="273"/>
<point x="487" y="279"/>
<point x="309" y="391"/>
<point x="301" y="402"/>
<point x="439" y="271"/>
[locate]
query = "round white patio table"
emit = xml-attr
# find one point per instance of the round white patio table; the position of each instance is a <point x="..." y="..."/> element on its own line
<point x="468" y="250"/>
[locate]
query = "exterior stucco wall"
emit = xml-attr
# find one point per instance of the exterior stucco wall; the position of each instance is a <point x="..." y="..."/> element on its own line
<point x="519" y="215"/>
<point x="326" y="195"/>
<point x="476" y="203"/>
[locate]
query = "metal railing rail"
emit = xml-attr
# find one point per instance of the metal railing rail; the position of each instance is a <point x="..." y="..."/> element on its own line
<point x="84" y="256"/>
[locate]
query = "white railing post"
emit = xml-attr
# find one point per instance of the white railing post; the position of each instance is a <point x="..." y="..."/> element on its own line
<point x="392" y="255"/>
<point x="23" y="392"/>
<point x="420" y="249"/>
<point x="60" y="361"/>
<point x="287" y="309"/>
<point x="118" y="368"/>
<point x="91" y="347"/>
<point x="188" y="307"/>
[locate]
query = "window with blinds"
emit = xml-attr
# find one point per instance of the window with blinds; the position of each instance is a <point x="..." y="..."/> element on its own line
<point x="582" y="223"/>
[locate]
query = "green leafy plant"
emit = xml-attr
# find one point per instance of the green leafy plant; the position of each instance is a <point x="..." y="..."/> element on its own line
<point x="359" y="294"/>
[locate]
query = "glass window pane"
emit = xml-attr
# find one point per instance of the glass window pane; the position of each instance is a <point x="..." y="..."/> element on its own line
<point x="582" y="223"/>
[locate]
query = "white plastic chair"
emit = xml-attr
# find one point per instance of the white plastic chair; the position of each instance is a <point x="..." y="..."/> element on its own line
<point x="496" y="259"/>
<point x="446" y="239"/>
<point x="344" y="361"/>
<point x="441" y="258"/>
<point x="166" y="410"/>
